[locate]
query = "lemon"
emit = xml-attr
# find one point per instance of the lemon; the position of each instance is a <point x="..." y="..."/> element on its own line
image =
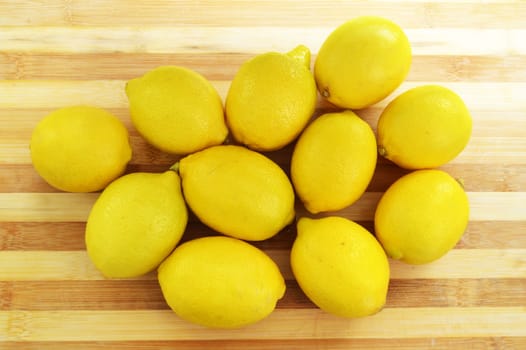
<point x="271" y="99"/>
<point x="237" y="192"/>
<point x="362" y="61"/>
<point x="176" y="110"/>
<point x="340" y="266"/>
<point x="421" y="216"/>
<point x="135" y="223"/>
<point x="425" y="127"/>
<point x="333" y="161"/>
<point x="80" y="148"/>
<point x="220" y="282"/>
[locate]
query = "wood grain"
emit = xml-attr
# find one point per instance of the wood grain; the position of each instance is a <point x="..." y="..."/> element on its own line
<point x="101" y="325"/>
<point x="61" y="207"/>
<point x="146" y="294"/>
<point x="500" y="96"/>
<point x="409" y="14"/>
<point x="69" y="236"/>
<point x="75" y="265"/>
<point x="203" y="39"/>
<point x="56" y="53"/>
<point x="444" y="343"/>
<point x="223" y="66"/>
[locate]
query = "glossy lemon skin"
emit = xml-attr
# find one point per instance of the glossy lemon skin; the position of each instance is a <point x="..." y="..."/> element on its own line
<point x="80" y="148"/>
<point x="177" y="110"/>
<point x="238" y="192"/>
<point x="271" y="99"/>
<point x="340" y="266"/>
<point x="333" y="161"/>
<point x="220" y="282"/>
<point x="362" y="61"/>
<point x="425" y="127"/>
<point x="135" y="223"/>
<point x="421" y="216"/>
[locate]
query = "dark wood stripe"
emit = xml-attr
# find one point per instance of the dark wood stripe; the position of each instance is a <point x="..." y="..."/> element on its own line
<point x="69" y="235"/>
<point x="42" y="235"/>
<point x="83" y="295"/>
<point x="505" y="178"/>
<point x="435" y="293"/>
<point x="62" y="236"/>
<point x="146" y="294"/>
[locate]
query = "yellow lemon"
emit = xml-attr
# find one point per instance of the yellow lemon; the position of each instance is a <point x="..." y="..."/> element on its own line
<point x="80" y="148"/>
<point x="425" y="127"/>
<point x="421" y="216"/>
<point x="237" y="192"/>
<point x="135" y="223"/>
<point x="340" y="266"/>
<point x="333" y="161"/>
<point x="177" y="110"/>
<point x="220" y="282"/>
<point x="271" y="99"/>
<point x="362" y="61"/>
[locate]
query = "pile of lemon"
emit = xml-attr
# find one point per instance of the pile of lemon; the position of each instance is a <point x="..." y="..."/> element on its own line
<point x="223" y="281"/>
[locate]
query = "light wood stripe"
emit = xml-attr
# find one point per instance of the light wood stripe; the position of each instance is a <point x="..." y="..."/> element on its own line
<point x="484" y="150"/>
<point x="223" y="66"/>
<point x="467" y="263"/>
<point x="110" y="94"/>
<point x="46" y="206"/>
<point x="45" y="265"/>
<point x="60" y="207"/>
<point x="407" y="14"/>
<point x="495" y="150"/>
<point x="483" y="206"/>
<point x="458" y="263"/>
<point x="202" y="39"/>
<point x="55" y="94"/>
<point x="19" y="123"/>
<point x="308" y="324"/>
<point x="24" y="119"/>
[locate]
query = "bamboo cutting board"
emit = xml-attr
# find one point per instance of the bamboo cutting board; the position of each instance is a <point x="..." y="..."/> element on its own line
<point x="56" y="53"/>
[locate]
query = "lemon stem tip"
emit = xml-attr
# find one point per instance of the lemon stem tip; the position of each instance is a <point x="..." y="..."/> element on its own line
<point x="300" y="53"/>
<point x="175" y="167"/>
<point x="382" y="151"/>
<point x="461" y="182"/>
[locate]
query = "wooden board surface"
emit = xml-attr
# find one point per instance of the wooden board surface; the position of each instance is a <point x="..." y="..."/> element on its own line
<point x="56" y="53"/>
